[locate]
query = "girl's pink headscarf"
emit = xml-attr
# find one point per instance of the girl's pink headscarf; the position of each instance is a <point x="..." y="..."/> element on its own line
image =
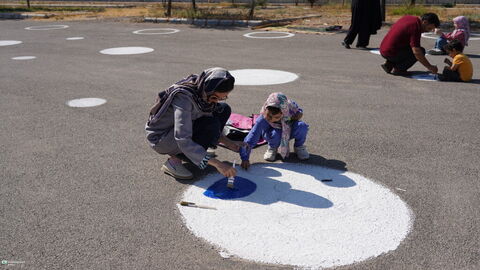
<point x="289" y="108"/>
<point x="462" y="25"/>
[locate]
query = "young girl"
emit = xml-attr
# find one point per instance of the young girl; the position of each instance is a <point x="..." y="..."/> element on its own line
<point x="461" y="70"/>
<point x="461" y="33"/>
<point x="278" y="122"/>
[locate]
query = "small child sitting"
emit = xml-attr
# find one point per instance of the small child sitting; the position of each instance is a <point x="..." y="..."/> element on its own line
<point x="461" y="69"/>
<point x="277" y="123"/>
<point x="461" y="33"/>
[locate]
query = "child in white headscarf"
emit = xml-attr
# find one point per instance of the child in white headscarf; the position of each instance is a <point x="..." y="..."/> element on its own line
<point x="279" y="121"/>
<point x="460" y="33"/>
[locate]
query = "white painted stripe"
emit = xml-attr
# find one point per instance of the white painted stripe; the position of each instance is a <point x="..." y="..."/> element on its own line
<point x="9" y="42"/>
<point x="293" y="218"/>
<point x="375" y="51"/>
<point x="24" y="58"/>
<point x="46" y="27"/>
<point x="269" y="34"/>
<point x="425" y="77"/>
<point x="75" y="38"/>
<point x="262" y="76"/>
<point x="126" y="50"/>
<point x="156" y="31"/>
<point x="86" y="102"/>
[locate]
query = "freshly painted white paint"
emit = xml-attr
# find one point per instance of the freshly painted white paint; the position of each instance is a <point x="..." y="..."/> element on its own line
<point x="269" y="34"/>
<point x="86" y="102"/>
<point x="9" y="42"/>
<point x="425" y="77"/>
<point x="262" y="76"/>
<point x="75" y="38"/>
<point x="473" y="36"/>
<point x="46" y="27"/>
<point x="375" y="51"/>
<point x="295" y="218"/>
<point x="156" y="31"/>
<point x="24" y="58"/>
<point x="126" y="50"/>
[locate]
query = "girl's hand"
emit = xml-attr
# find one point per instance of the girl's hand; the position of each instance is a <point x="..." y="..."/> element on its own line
<point x="245" y="164"/>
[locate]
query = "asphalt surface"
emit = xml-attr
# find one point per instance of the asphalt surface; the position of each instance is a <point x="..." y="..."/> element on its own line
<point x="81" y="189"/>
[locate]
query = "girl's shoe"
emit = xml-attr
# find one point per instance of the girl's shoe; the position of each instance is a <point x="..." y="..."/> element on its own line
<point x="302" y="152"/>
<point x="436" y="52"/>
<point x="270" y="154"/>
<point x="177" y="170"/>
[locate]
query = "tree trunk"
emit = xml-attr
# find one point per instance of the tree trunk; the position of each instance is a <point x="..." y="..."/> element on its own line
<point x="28" y="3"/>
<point x="252" y="9"/>
<point x="194" y="6"/>
<point x="412" y="2"/>
<point x="169" y="8"/>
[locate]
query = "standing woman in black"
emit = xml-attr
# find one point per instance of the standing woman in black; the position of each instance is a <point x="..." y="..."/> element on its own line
<point x="366" y="20"/>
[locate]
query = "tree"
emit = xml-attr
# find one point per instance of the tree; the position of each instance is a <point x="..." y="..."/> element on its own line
<point x="194" y="6"/>
<point x="312" y="2"/>
<point x="412" y="2"/>
<point x="252" y="9"/>
<point x="28" y="3"/>
<point x="169" y="8"/>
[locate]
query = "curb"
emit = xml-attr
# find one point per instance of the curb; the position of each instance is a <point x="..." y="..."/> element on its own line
<point x="21" y="16"/>
<point x="217" y="22"/>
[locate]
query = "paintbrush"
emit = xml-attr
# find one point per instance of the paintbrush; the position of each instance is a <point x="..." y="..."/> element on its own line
<point x="191" y="204"/>
<point x="231" y="180"/>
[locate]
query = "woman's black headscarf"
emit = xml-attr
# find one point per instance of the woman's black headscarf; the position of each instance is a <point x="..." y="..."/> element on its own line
<point x="200" y="87"/>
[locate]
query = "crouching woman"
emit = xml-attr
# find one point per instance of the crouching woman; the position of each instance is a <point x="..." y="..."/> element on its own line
<point x="187" y="118"/>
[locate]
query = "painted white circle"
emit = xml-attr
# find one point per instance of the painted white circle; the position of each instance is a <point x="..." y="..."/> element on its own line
<point x="326" y="224"/>
<point x="473" y="36"/>
<point x="126" y="50"/>
<point x="47" y="27"/>
<point x="9" y="42"/>
<point x="156" y="31"/>
<point x="75" y="38"/>
<point x="24" y="58"/>
<point x="262" y="76"/>
<point x="269" y="34"/>
<point x="375" y="51"/>
<point x="425" y="77"/>
<point x="86" y="102"/>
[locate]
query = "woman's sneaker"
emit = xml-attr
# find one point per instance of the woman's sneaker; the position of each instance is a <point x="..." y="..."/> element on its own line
<point x="270" y="154"/>
<point x="302" y="152"/>
<point x="177" y="170"/>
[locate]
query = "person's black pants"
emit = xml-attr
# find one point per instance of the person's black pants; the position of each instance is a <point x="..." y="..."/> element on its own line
<point x="449" y="75"/>
<point x="363" y="36"/>
<point x="404" y="59"/>
<point x="207" y="129"/>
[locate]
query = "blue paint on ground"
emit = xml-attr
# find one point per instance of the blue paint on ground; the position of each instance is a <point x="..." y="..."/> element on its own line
<point x="219" y="190"/>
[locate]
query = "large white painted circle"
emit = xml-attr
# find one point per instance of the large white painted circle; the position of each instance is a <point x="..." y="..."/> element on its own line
<point x="156" y="31"/>
<point x="262" y="76"/>
<point x="46" y="27"/>
<point x="269" y="34"/>
<point x="9" y="42"/>
<point x="294" y="218"/>
<point x="86" y="102"/>
<point x="126" y="50"/>
<point x="29" y="57"/>
<point x="430" y="35"/>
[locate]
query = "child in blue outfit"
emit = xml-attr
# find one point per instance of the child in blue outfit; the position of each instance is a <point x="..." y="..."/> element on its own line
<point x="279" y="121"/>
